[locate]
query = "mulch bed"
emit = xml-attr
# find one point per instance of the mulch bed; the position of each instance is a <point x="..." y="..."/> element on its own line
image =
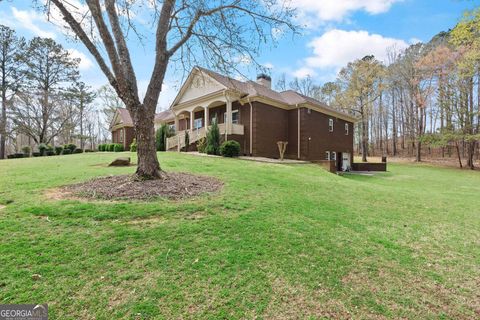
<point x="125" y="187"/>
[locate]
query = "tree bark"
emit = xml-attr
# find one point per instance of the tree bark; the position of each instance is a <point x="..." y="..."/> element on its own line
<point x="148" y="166"/>
<point x="458" y="154"/>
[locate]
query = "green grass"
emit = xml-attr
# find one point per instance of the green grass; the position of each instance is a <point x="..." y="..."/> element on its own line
<point x="278" y="242"/>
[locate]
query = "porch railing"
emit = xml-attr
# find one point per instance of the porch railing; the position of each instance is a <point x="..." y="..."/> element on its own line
<point x="178" y="140"/>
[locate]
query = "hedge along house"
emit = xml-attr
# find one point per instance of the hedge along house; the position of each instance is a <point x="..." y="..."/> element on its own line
<point x="122" y="125"/>
<point x="258" y="117"/>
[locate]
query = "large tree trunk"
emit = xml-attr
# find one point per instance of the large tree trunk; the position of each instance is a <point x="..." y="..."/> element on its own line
<point x="148" y="166"/>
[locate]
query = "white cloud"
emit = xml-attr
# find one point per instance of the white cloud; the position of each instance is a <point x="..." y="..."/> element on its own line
<point x="313" y="12"/>
<point x="268" y="65"/>
<point x="304" y="72"/>
<point x="336" y="48"/>
<point x="30" y="20"/>
<point x="85" y="62"/>
<point x="414" y="41"/>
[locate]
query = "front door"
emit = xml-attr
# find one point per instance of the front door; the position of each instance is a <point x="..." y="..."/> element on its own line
<point x="346" y="161"/>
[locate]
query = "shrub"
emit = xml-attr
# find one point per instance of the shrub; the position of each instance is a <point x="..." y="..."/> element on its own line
<point x="11" y="156"/>
<point x="50" y="148"/>
<point x="187" y="141"/>
<point x="117" y="147"/>
<point x="201" y="145"/>
<point x="213" y="140"/>
<point x="26" y="150"/>
<point x="89" y="150"/>
<point x="102" y="147"/>
<point x="230" y="149"/>
<point x="111" y="147"/>
<point x="42" y="148"/>
<point x="67" y="151"/>
<point x="78" y="150"/>
<point x="58" y="150"/>
<point x="133" y="146"/>
<point x="70" y="146"/>
<point x="50" y="152"/>
<point x="36" y="154"/>
<point x="161" y="136"/>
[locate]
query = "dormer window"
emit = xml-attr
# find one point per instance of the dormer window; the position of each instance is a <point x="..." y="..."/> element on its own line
<point x="346" y="129"/>
<point x="330" y="125"/>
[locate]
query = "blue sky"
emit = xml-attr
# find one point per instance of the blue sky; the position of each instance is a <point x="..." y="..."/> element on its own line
<point x="336" y="32"/>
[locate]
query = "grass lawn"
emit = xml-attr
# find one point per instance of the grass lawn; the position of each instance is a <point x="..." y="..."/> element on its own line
<point x="279" y="242"/>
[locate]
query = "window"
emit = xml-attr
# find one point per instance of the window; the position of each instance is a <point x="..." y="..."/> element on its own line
<point x="333" y="156"/>
<point x="235" y="117"/>
<point x="197" y="123"/>
<point x="327" y="155"/>
<point x="330" y="125"/>
<point x="121" y="135"/>
<point x="172" y="127"/>
<point x="346" y="129"/>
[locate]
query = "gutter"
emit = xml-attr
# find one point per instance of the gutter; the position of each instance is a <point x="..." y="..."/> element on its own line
<point x="298" y="131"/>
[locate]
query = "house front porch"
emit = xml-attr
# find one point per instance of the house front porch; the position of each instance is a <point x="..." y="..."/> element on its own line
<point x="196" y="119"/>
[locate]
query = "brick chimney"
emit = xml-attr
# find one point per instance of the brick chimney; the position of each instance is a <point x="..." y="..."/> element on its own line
<point x="264" y="80"/>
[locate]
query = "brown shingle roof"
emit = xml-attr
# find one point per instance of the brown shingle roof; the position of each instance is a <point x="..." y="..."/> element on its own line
<point x="164" y="116"/>
<point x="125" y="117"/>
<point x="253" y="89"/>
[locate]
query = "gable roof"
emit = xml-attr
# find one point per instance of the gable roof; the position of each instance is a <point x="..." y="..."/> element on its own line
<point x="164" y="116"/>
<point x="250" y="89"/>
<point x="122" y="116"/>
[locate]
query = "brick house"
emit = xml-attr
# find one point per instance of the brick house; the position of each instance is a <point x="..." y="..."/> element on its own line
<point x="256" y="116"/>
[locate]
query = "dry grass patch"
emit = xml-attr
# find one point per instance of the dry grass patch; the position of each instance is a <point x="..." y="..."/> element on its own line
<point x="293" y="301"/>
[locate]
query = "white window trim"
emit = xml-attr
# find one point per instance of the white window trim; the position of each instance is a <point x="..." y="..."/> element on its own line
<point x="333" y="156"/>
<point x="233" y="121"/>
<point x="327" y="155"/>
<point x="330" y="125"/>
<point x="347" y="127"/>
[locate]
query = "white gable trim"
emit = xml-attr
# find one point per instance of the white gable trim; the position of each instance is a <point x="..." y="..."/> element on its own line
<point x="186" y="85"/>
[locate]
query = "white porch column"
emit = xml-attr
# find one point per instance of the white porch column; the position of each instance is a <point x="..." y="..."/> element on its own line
<point x="176" y="124"/>
<point x="206" y="116"/>
<point x="228" y="124"/>
<point x="192" y="115"/>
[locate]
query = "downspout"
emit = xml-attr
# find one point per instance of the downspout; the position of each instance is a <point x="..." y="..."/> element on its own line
<point x="251" y="127"/>
<point x="298" y="131"/>
<point x="227" y="117"/>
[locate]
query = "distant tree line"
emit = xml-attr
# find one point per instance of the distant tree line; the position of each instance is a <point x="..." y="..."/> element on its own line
<point x="43" y="98"/>
<point x="423" y="98"/>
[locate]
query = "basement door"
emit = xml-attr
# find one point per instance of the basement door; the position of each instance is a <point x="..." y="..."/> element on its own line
<point x="346" y="161"/>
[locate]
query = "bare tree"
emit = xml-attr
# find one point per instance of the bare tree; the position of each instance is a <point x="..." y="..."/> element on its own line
<point x="214" y="31"/>
<point x="304" y="86"/>
<point x="110" y="102"/>
<point x="42" y="109"/>
<point x="361" y="87"/>
<point x="281" y="84"/>
<point x="82" y="96"/>
<point x="11" y="76"/>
